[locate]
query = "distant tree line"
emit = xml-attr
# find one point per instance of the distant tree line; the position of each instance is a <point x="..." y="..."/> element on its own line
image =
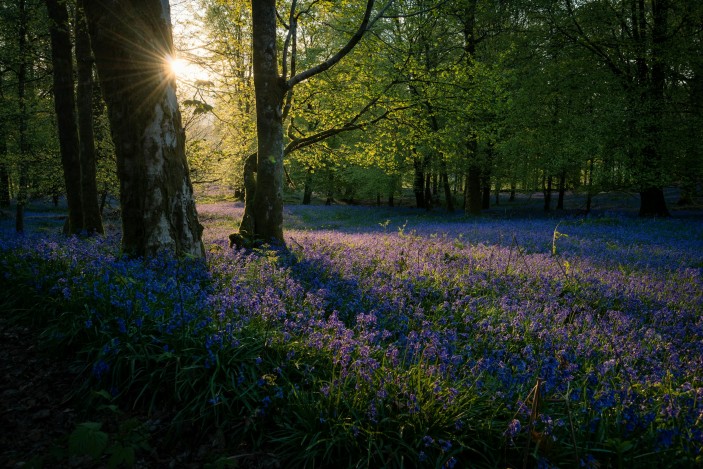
<point x="452" y="100"/>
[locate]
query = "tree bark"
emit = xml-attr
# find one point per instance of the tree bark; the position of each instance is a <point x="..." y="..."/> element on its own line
<point x="562" y="190"/>
<point x="269" y="90"/>
<point x="653" y="83"/>
<point x="448" y="197"/>
<point x="92" y="221"/>
<point x="419" y="182"/>
<point x="246" y="227"/>
<point x="589" y="186"/>
<point x="486" y="194"/>
<point x="65" y="106"/>
<point x="307" y="190"/>
<point x="132" y="41"/>
<point x="4" y="173"/>
<point x="22" y="117"/>
<point x="473" y="196"/>
<point x="548" y="194"/>
<point x="428" y="191"/>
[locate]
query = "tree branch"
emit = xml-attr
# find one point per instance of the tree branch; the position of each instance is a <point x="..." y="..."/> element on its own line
<point x="347" y="127"/>
<point x="286" y="43"/>
<point x="366" y="23"/>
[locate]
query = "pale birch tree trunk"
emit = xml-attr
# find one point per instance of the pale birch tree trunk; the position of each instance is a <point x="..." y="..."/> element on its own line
<point x="132" y="41"/>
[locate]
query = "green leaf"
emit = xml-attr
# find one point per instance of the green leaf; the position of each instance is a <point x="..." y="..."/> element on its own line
<point x="87" y="439"/>
<point x="121" y="455"/>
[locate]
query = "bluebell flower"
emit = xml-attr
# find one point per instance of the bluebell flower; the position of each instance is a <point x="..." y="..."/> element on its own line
<point x="513" y="429"/>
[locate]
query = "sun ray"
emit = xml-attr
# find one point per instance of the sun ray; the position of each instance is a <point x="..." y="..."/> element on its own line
<point x="178" y="67"/>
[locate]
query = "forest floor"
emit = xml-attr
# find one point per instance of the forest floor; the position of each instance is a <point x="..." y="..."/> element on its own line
<point x="39" y="411"/>
<point x="35" y="395"/>
<point x="38" y="406"/>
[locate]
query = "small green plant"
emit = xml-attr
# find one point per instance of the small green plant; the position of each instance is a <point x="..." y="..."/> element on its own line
<point x="90" y="440"/>
<point x="555" y="237"/>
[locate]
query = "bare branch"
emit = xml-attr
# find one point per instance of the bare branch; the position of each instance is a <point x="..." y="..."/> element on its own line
<point x="286" y="43"/>
<point x="280" y="20"/>
<point x="366" y="23"/>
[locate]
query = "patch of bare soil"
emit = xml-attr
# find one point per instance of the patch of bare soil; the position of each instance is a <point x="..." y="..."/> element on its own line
<point x="36" y="408"/>
<point x="40" y="409"/>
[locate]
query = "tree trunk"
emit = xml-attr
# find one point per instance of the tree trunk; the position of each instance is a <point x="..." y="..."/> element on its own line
<point x="428" y="191"/>
<point x="513" y="186"/>
<point x="419" y="182"/>
<point x="562" y="190"/>
<point x="486" y="196"/>
<point x="246" y="227"/>
<point x="448" y="197"/>
<point x="651" y="77"/>
<point x="486" y="177"/>
<point x="4" y="173"/>
<point x="330" y="188"/>
<point x="652" y="203"/>
<point x="474" y="200"/>
<point x="693" y="159"/>
<point x="131" y="41"/>
<point x="22" y="117"/>
<point x="92" y="221"/>
<point x="307" y="190"/>
<point x="269" y="91"/>
<point x="548" y="194"/>
<point x="391" y="191"/>
<point x="65" y="106"/>
<point x="589" y="186"/>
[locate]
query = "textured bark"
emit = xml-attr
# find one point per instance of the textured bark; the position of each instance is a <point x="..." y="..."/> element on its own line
<point x="547" y="188"/>
<point x="486" y="195"/>
<point x="22" y="117"/>
<point x="428" y="189"/>
<point x="444" y="179"/>
<point x="4" y="186"/>
<point x="65" y="106"/>
<point x="131" y="42"/>
<point x="652" y="81"/>
<point x="562" y="190"/>
<point x="246" y="227"/>
<point x="269" y="90"/>
<point x="307" y="191"/>
<point x="4" y="174"/>
<point x="418" y="182"/>
<point x="473" y="196"/>
<point x="92" y="221"/>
